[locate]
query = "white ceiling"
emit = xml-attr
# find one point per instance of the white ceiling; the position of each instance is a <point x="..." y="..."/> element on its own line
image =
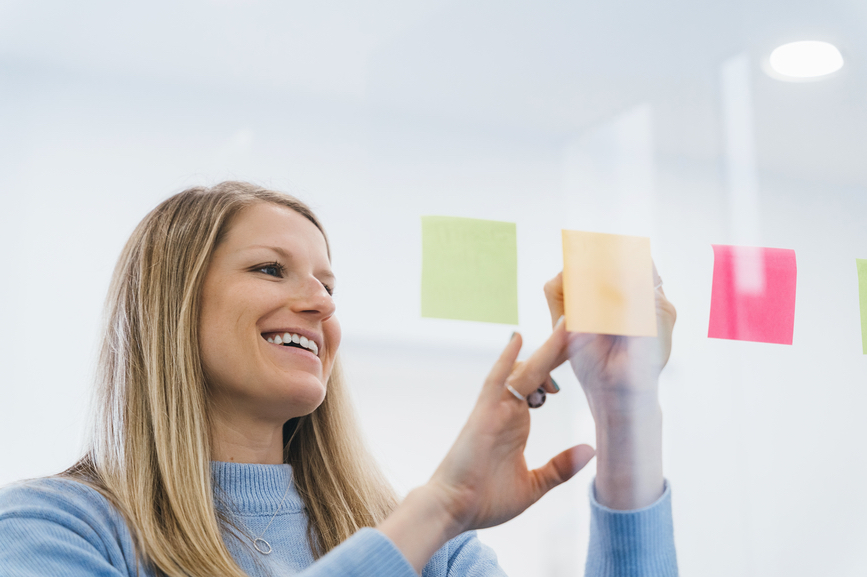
<point x="549" y="67"/>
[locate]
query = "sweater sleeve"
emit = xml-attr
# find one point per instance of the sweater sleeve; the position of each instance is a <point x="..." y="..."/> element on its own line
<point x="636" y="543"/>
<point x="464" y="556"/>
<point x="48" y="528"/>
<point x="469" y="557"/>
<point x="368" y="553"/>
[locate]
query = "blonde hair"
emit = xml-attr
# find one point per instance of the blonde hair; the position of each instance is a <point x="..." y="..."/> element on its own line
<point x="149" y="451"/>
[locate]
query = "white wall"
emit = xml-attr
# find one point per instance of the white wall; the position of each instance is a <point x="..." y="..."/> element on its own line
<point x="763" y="443"/>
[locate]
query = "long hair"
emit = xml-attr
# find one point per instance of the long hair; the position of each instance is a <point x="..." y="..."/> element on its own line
<point x="149" y="450"/>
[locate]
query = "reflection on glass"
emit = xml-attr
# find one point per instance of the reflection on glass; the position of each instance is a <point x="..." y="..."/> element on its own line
<point x="743" y="180"/>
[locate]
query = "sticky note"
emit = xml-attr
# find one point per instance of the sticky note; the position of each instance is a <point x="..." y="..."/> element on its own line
<point x="608" y="284"/>
<point x="753" y="294"/>
<point x="862" y="291"/>
<point x="469" y="269"/>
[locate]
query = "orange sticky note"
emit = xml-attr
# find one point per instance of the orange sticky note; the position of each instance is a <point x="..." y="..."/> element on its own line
<point x="608" y="284"/>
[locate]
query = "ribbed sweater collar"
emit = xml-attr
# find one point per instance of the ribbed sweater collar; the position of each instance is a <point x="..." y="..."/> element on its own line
<point x="250" y="489"/>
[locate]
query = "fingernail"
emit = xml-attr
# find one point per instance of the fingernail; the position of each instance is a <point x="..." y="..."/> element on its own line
<point x="556" y="386"/>
<point x="559" y="322"/>
<point x="513" y="336"/>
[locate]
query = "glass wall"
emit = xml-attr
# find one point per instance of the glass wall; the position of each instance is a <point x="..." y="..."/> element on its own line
<point x="660" y="119"/>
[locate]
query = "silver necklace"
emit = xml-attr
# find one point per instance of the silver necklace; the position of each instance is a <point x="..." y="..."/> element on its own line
<point x="259" y="543"/>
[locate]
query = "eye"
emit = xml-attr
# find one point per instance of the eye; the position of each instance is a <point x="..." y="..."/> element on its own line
<point x="328" y="289"/>
<point x="272" y="269"/>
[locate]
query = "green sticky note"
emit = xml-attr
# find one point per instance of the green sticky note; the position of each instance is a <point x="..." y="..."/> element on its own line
<point x="469" y="269"/>
<point x="862" y="291"/>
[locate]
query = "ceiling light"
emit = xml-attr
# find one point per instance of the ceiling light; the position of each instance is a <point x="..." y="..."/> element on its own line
<point x="805" y="60"/>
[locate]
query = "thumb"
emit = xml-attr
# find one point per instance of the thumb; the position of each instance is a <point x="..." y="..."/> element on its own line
<point x="562" y="468"/>
<point x="554" y="295"/>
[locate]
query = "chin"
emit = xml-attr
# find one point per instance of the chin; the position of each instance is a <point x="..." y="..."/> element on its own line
<point x="312" y="404"/>
<point x="303" y="397"/>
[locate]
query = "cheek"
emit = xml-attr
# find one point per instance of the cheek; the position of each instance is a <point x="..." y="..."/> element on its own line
<point x="218" y="361"/>
<point x="332" y="336"/>
<point x="221" y="348"/>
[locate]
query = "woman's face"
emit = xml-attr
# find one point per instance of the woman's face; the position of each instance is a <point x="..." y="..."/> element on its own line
<point x="269" y="278"/>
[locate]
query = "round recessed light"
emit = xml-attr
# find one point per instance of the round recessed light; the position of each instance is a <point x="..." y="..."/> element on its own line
<point x="805" y="60"/>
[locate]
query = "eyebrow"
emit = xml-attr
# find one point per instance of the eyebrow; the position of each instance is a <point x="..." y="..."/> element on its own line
<point x="327" y="274"/>
<point x="276" y="249"/>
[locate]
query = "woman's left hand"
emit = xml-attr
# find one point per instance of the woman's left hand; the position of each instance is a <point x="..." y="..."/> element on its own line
<point x="484" y="480"/>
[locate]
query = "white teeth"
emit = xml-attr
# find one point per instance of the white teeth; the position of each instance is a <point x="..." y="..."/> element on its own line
<point x="287" y="338"/>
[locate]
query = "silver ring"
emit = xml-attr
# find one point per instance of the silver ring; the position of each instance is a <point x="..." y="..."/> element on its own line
<point x="518" y="395"/>
<point x="535" y="399"/>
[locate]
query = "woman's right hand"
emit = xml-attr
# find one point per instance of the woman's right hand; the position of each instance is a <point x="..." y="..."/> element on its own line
<point x="620" y="377"/>
<point x="617" y="372"/>
<point x="484" y="479"/>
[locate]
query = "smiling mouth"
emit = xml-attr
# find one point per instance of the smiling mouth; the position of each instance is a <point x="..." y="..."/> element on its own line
<point x="292" y="340"/>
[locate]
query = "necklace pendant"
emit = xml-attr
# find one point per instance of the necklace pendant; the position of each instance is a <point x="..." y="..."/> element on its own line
<point x="262" y="546"/>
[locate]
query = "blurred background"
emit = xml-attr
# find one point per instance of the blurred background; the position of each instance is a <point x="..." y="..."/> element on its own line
<point x="659" y="119"/>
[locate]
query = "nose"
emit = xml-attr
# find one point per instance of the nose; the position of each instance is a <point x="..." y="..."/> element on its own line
<point x="311" y="297"/>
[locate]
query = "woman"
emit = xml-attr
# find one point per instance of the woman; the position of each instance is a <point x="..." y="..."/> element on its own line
<point x="224" y="442"/>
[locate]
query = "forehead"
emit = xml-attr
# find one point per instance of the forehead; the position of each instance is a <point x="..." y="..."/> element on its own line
<point x="267" y="224"/>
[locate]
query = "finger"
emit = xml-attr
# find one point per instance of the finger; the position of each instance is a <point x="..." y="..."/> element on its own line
<point x="554" y="295"/>
<point x="550" y="385"/>
<point x="662" y="302"/>
<point x="657" y="281"/>
<point x="666" y="318"/>
<point x="562" y="468"/>
<point x="504" y="365"/>
<point x="536" y="370"/>
<point x="669" y="313"/>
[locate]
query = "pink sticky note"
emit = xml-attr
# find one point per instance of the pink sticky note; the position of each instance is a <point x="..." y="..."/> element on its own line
<point x="753" y="295"/>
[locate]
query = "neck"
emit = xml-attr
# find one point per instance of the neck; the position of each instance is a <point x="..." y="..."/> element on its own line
<point x="242" y="440"/>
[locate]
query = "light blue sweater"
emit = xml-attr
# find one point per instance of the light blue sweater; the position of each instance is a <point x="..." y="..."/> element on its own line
<point x="58" y="526"/>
